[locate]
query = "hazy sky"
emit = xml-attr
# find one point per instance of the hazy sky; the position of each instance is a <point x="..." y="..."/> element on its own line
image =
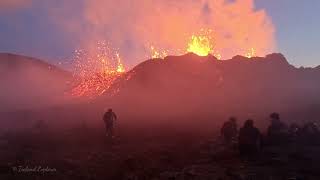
<point x="27" y="28"/>
<point x="297" y="29"/>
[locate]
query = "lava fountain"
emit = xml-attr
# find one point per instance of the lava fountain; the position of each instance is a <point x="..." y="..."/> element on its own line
<point x="96" y="70"/>
<point x="203" y="44"/>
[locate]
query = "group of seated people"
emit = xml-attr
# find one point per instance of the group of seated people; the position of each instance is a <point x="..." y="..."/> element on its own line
<point x="250" y="140"/>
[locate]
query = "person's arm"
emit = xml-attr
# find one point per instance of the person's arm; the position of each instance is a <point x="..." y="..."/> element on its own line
<point x="115" y="116"/>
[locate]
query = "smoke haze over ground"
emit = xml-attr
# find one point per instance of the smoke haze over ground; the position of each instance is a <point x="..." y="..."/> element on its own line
<point x="28" y="83"/>
<point x="165" y="106"/>
<point x="178" y="90"/>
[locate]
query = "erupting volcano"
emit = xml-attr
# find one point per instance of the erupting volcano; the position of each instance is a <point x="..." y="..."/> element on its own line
<point x="97" y="70"/>
<point x="219" y="28"/>
<point x="117" y="89"/>
<point x="203" y="44"/>
<point x="100" y="68"/>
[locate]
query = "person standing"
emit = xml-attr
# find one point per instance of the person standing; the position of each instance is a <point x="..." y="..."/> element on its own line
<point x="229" y="130"/>
<point x="109" y="119"/>
<point x="277" y="131"/>
<point x="249" y="139"/>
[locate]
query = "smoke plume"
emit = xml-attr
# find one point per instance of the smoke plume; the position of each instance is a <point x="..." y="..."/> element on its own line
<point x="14" y="4"/>
<point x="134" y="25"/>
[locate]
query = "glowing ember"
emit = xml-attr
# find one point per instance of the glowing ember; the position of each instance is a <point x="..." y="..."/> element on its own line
<point x="95" y="85"/>
<point x="120" y="66"/>
<point x="217" y="55"/>
<point x="98" y="70"/>
<point x="251" y="53"/>
<point x="158" y="54"/>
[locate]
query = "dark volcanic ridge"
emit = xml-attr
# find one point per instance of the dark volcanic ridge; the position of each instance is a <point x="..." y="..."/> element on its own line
<point x="183" y="92"/>
<point x="13" y="62"/>
<point x="186" y="86"/>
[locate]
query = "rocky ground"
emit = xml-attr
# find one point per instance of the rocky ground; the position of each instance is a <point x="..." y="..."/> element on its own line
<point x="85" y="153"/>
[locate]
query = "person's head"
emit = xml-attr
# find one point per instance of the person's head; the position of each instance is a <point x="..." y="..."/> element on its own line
<point x="233" y="119"/>
<point x="109" y="110"/>
<point x="248" y="123"/>
<point x="275" y="116"/>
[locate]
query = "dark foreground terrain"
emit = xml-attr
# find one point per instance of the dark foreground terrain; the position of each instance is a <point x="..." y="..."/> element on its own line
<point x="84" y="153"/>
<point x="185" y="91"/>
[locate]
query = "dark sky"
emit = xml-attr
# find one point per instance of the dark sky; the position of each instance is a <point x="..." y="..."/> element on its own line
<point x="27" y="28"/>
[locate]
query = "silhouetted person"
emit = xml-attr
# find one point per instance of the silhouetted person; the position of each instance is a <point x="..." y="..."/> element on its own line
<point x="294" y="128"/>
<point x="310" y="133"/>
<point x="277" y="131"/>
<point x="294" y="131"/>
<point x="312" y="128"/>
<point x="229" y="130"/>
<point x="109" y="118"/>
<point x="249" y="139"/>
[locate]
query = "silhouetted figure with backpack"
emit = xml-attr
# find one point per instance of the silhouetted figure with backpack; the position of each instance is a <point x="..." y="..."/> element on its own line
<point x="109" y="119"/>
<point x="229" y="130"/>
<point x="249" y="139"/>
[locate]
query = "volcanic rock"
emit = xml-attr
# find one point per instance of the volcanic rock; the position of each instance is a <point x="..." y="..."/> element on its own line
<point x="205" y="88"/>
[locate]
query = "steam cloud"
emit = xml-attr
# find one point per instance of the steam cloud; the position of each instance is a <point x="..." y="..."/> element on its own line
<point x="134" y="25"/>
<point x="237" y="25"/>
<point x="14" y="4"/>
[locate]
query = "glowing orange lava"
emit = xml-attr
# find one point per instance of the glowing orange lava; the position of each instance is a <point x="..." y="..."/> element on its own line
<point x="158" y="54"/>
<point x="97" y="71"/>
<point x="203" y="44"/>
<point x="251" y="53"/>
<point x="120" y="66"/>
<point x="200" y="45"/>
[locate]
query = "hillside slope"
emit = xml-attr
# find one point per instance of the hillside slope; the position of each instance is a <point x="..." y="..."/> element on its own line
<point x="193" y="86"/>
<point x="28" y="82"/>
